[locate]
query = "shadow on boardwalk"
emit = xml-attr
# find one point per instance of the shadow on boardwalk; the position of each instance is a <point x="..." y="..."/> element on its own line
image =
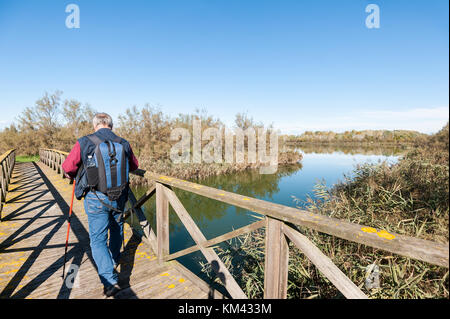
<point x="36" y="198"/>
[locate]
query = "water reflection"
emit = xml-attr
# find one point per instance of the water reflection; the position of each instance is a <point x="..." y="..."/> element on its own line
<point x="392" y="150"/>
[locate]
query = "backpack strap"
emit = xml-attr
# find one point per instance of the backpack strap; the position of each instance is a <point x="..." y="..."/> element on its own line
<point x="105" y="204"/>
<point x="117" y="139"/>
<point x="112" y="162"/>
<point x="95" y="139"/>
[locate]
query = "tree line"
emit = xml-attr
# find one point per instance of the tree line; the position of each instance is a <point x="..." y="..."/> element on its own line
<point x="56" y="123"/>
<point x="50" y="123"/>
<point x="360" y="137"/>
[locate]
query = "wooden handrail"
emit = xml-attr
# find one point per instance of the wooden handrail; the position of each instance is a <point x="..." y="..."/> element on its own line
<point x="425" y="250"/>
<point x="56" y="151"/>
<point x="7" y="162"/>
<point x="54" y="159"/>
<point x="278" y="232"/>
<point x="6" y="154"/>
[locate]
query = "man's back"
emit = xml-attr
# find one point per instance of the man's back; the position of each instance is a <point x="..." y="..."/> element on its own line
<point x="105" y="211"/>
<point x="84" y="147"/>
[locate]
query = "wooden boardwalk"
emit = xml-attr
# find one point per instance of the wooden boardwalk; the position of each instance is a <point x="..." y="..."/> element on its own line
<point x="32" y="238"/>
<point x="33" y="233"/>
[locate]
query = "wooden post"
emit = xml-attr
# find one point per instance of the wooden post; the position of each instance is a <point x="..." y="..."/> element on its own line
<point x="2" y="181"/>
<point x="7" y="166"/>
<point x="13" y="161"/>
<point x="7" y="162"/>
<point x="61" y="160"/>
<point x="162" y="222"/>
<point x="276" y="261"/>
<point x="6" y="172"/>
<point x="58" y="162"/>
<point x="1" y="190"/>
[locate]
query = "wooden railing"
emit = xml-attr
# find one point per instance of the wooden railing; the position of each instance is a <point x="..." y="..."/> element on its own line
<point x="53" y="159"/>
<point x="7" y="162"/>
<point x="281" y="226"/>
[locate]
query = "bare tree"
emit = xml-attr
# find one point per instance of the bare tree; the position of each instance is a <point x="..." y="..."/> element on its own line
<point x="40" y="122"/>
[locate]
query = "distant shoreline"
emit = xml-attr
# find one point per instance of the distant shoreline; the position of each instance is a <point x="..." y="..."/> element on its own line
<point x="351" y="143"/>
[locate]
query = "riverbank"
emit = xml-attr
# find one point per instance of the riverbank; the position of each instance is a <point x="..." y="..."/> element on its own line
<point x="365" y="137"/>
<point x="200" y="171"/>
<point x="353" y="144"/>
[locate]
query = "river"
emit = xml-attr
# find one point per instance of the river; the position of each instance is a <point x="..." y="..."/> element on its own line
<point x="327" y="165"/>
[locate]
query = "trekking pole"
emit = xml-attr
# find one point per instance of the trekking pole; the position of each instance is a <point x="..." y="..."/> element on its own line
<point x="68" y="229"/>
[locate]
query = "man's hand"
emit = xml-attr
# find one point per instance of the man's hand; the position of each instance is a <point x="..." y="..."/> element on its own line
<point x="67" y="176"/>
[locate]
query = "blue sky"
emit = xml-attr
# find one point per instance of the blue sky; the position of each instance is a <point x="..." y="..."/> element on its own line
<point x="301" y="65"/>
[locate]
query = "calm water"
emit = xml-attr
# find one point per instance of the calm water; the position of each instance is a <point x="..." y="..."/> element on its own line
<point x="215" y="218"/>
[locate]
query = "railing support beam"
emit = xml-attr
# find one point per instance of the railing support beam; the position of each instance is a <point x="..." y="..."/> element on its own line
<point x="162" y="222"/>
<point x="7" y="162"/>
<point x="276" y="261"/>
<point x="324" y="264"/>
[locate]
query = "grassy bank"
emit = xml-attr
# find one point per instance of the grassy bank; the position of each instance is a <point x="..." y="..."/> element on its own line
<point x="409" y="197"/>
<point x="27" y="158"/>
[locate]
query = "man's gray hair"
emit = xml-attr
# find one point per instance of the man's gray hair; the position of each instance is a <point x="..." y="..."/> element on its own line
<point x="102" y="118"/>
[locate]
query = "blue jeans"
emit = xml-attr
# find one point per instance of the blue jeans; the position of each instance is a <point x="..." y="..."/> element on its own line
<point x="101" y="219"/>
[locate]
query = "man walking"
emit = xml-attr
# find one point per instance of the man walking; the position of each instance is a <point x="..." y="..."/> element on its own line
<point x="101" y="162"/>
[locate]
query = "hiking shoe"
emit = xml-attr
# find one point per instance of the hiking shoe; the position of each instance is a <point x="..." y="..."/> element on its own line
<point x="111" y="290"/>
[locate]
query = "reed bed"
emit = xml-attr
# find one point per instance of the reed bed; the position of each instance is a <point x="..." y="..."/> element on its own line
<point x="200" y="171"/>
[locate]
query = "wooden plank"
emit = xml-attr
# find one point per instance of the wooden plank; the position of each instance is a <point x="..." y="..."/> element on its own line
<point x="214" y="294"/>
<point x="324" y="264"/>
<point x="216" y="263"/>
<point x="276" y="261"/>
<point x="2" y="189"/>
<point x="43" y="260"/>
<point x="219" y="239"/>
<point x="425" y="250"/>
<point x="162" y="222"/>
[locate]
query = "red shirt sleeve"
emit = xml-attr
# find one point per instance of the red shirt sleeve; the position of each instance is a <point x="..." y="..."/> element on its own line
<point x="134" y="164"/>
<point x="73" y="161"/>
